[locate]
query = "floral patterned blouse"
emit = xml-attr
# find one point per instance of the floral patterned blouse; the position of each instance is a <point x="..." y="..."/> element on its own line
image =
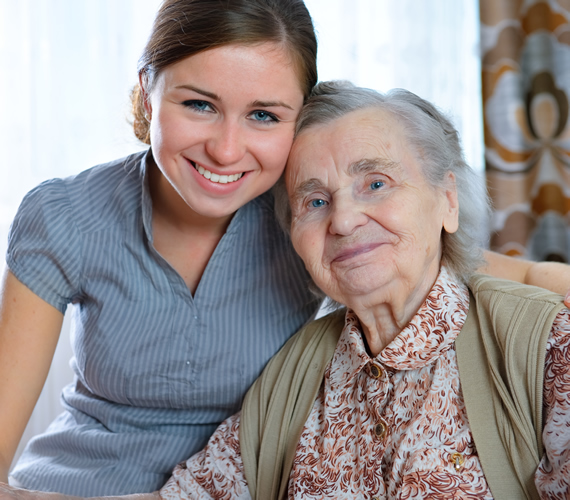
<point x="394" y="427"/>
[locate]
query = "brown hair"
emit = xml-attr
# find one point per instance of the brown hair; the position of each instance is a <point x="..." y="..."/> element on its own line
<point x="183" y="28"/>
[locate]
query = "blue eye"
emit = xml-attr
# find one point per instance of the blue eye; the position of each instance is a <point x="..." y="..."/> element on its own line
<point x="201" y="106"/>
<point x="264" y="116"/>
<point x="318" y="203"/>
<point x="376" y="185"/>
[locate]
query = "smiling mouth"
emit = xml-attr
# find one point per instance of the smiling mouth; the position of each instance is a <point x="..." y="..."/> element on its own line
<point x="217" y="178"/>
<point x="355" y="252"/>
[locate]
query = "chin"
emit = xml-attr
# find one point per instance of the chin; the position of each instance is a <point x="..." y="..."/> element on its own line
<point x="218" y="209"/>
<point x="365" y="280"/>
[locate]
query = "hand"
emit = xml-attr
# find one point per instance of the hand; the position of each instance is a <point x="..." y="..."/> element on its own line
<point x="567" y="299"/>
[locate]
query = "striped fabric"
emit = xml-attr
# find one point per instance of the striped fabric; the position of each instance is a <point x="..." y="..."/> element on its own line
<point x="156" y="369"/>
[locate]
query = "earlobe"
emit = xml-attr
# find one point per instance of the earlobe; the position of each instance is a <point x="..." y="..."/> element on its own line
<point x="451" y="214"/>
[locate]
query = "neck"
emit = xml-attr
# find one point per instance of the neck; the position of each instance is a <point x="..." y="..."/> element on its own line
<point x="384" y="313"/>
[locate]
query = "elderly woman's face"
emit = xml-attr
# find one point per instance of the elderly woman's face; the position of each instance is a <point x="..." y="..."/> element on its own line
<point x="364" y="218"/>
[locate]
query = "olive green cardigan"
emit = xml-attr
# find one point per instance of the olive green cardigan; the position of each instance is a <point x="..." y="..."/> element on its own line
<point x="500" y="353"/>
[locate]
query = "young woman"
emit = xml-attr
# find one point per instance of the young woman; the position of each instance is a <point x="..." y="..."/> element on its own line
<point x="182" y="284"/>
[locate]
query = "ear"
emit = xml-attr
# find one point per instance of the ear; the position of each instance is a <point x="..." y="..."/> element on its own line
<point x="143" y="83"/>
<point x="451" y="204"/>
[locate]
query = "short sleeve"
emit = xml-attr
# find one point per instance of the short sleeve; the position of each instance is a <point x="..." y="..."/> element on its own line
<point x="44" y="245"/>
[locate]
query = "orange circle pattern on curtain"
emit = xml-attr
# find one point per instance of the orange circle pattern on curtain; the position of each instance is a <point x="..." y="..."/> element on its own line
<point x="526" y="88"/>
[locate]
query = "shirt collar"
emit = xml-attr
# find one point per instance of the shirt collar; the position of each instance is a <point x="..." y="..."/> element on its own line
<point x="146" y="199"/>
<point x="430" y="333"/>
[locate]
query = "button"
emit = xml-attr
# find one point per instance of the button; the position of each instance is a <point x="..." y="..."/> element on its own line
<point x="457" y="459"/>
<point x="380" y="430"/>
<point x="187" y="362"/>
<point x="375" y="371"/>
<point x="195" y="317"/>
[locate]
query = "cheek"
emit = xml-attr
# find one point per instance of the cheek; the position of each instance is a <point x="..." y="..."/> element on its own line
<point x="310" y="247"/>
<point x="297" y="240"/>
<point x="305" y="244"/>
<point x="165" y="132"/>
<point x="272" y="153"/>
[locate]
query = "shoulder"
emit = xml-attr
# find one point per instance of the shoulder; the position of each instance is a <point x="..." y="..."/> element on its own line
<point x="506" y="310"/>
<point x="63" y="209"/>
<point x="106" y="193"/>
<point x="93" y="197"/>
<point x="485" y="287"/>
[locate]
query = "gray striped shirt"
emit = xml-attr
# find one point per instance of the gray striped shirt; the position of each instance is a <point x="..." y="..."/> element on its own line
<point x="156" y="369"/>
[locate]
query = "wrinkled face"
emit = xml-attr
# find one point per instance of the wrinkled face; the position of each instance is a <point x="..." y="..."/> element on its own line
<point x="222" y="123"/>
<point x="364" y="219"/>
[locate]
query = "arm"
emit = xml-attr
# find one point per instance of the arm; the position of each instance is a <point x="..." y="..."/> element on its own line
<point x="553" y="276"/>
<point x="29" y="331"/>
<point x="11" y="493"/>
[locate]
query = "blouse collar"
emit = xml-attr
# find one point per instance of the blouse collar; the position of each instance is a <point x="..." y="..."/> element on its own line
<point x="430" y="333"/>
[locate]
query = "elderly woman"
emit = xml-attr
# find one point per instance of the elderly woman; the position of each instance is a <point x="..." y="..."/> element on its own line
<point x="432" y="382"/>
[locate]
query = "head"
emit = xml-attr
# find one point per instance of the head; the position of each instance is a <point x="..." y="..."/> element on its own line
<point x="184" y="28"/>
<point x="379" y="189"/>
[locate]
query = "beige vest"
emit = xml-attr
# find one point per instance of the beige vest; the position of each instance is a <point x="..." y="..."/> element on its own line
<point x="500" y="353"/>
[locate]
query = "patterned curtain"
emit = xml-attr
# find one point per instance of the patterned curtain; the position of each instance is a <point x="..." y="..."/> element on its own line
<point x="526" y="84"/>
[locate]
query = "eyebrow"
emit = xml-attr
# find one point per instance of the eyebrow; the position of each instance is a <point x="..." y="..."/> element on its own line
<point x="211" y="95"/>
<point x="372" y="165"/>
<point x="216" y="97"/>
<point x="270" y="104"/>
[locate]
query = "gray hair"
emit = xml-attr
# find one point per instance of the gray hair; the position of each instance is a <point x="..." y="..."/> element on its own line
<point x="436" y="143"/>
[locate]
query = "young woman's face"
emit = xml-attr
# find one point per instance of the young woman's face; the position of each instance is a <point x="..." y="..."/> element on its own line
<point x="222" y="124"/>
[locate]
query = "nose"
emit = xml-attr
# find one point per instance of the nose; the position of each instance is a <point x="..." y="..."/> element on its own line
<point x="346" y="215"/>
<point x="226" y="145"/>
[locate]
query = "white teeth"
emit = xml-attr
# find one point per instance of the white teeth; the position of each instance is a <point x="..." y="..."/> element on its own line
<point x="220" y="179"/>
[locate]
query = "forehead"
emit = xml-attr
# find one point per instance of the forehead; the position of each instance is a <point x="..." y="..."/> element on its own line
<point x="265" y="67"/>
<point x="371" y="134"/>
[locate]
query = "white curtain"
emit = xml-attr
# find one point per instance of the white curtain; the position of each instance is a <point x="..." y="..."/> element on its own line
<point x="68" y="66"/>
<point x="67" y="69"/>
<point x="430" y="47"/>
